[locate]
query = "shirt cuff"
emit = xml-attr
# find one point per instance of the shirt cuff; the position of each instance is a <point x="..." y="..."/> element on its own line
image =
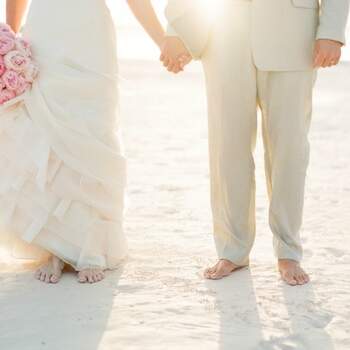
<point x="331" y="35"/>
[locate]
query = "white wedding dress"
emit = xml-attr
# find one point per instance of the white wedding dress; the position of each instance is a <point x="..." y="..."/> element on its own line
<point x="62" y="176"/>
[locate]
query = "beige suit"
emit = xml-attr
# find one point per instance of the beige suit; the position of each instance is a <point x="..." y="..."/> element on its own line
<point x="258" y="52"/>
<point x="282" y="34"/>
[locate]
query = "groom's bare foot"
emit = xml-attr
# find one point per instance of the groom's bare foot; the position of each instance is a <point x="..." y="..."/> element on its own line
<point x="50" y="272"/>
<point x="91" y="275"/>
<point x="221" y="269"/>
<point x="292" y="273"/>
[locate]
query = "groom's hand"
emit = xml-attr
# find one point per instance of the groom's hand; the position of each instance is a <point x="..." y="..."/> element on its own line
<point x="174" y="54"/>
<point x="327" y="53"/>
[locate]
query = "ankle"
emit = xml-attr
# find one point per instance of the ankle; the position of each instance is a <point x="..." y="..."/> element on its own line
<point x="287" y="261"/>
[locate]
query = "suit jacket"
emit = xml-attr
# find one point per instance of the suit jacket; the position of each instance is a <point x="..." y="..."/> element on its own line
<point x="283" y="31"/>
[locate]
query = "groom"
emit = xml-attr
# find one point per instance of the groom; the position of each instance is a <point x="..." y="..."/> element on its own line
<point x="257" y="53"/>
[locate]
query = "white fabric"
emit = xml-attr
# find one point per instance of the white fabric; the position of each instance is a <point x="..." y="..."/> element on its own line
<point x="63" y="178"/>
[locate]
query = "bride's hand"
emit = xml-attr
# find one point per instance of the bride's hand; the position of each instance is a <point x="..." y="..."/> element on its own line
<point x="174" y="54"/>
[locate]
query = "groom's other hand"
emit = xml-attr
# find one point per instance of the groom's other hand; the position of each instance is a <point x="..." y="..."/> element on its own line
<point x="174" y="54"/>
<point x="327" y="53"/>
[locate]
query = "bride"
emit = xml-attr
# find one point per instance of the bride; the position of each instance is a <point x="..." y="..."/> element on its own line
<point x="63" y="173"/>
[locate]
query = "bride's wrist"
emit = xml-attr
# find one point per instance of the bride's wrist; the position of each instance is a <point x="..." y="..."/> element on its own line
<point x="160" y="40"/>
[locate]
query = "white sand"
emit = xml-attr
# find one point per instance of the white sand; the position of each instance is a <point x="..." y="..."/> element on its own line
<point x="159" y="300"/>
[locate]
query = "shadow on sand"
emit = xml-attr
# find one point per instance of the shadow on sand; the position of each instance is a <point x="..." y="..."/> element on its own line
<point x="307" y="321"/>
<point x="242" y="328"/>
<point x="68" y="315"/>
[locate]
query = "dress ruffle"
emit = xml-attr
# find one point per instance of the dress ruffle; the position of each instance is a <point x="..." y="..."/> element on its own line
<point x="63" y="172"/>
<point x="45" y="202"/>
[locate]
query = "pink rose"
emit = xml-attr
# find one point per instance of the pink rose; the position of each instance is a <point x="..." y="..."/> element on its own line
<point x="6" y="95"/>
<point x="23" y="86"/>
<point x="2" y="66"/>
<point x="2" y="85"/>
<point x="6" y="44"/>
<point x="16" y="61"/>
<point x="12" y="80"/>
<point x="23" y="46"/>
<point x="31" y="72"/>
<point x="5" y="29"/>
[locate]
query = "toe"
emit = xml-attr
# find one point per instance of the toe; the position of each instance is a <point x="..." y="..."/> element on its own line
<point x="300" y="279"/>
<point x="211" y="271"/>
<point x="90" y="276"/>
<point x="81" y="277"/>
<point x="216" y="275"/>
<point x="221" y="272"/>
<point x="206" y="273"/>
<point x="91" y="279"/>
<point x="208" y="270"/>
<point x="84" y="279"/>
<point x="94" y="278"/>
<point x="47" y="278"/>
<point x="43" y="276"/>
<point x="54" y="279"/>
<point x="289" y="279"/>
<point x="37" y="274"/>
<point x="209" y="275"/>
<point x="305" y="278"/>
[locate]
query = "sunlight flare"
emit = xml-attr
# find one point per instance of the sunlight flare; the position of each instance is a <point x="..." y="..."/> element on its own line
<point x="211" y="8"/>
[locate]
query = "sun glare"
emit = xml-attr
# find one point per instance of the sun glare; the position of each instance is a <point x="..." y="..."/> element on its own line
<point x="211" y="8"/>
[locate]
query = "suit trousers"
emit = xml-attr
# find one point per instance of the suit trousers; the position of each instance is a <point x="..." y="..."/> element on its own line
<point x="236" y="88"/>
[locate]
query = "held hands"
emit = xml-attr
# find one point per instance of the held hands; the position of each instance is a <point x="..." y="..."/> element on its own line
<point x="174" y="54"/>
<point x="327" y="53"/>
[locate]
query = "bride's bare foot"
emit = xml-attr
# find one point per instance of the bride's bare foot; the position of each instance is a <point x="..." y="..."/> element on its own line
<point x="50" y="272"/>
<point x="91" y="275"/>
<point x="292" y="273"/>
<point x="221" y="269"/>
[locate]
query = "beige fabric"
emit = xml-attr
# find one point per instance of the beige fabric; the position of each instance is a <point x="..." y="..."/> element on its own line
<point x="283" y="35"/>
<point x="283" y="32"/>
<point x="190" y="21"/>
<point x="234" y="87"/>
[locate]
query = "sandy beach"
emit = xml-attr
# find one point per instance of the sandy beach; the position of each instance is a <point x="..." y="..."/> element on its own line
<point x="158" y="300"/>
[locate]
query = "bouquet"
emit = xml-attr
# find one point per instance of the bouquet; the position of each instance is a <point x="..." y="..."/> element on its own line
<point x="17" y="68"/>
